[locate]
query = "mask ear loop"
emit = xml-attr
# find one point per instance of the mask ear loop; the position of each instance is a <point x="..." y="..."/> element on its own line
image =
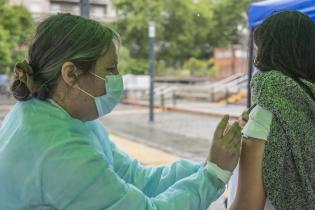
<point x="97" y="76"/>
<point x="85" y="92"/>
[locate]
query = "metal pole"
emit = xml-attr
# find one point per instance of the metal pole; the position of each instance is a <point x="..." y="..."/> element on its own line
<point x="84" y="8"/>
<point x="174" y="97"/>
<point x="250" y="65"/>
<point x="152" y="40"/>
<point x="162" y="101"/>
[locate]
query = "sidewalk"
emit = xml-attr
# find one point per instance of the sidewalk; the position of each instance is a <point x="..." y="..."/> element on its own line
<point x="146" y="155"/>
<point x="186" y="135"/>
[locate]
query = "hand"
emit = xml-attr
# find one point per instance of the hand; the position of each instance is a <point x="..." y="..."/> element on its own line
<point x="243" y="119"/>
<point x="227" y="128"/>
<point x="225" y="148"/>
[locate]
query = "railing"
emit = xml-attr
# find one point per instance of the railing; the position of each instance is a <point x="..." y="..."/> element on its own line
<point x="169" y="91"/>
<point x="236" y="84"/>
<point x="226" y="80"/>
<point x="210" y="92"/>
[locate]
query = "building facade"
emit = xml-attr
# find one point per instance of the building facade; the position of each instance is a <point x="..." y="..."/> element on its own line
<point x="101" y="10"/>
<point x="230" y="61"/>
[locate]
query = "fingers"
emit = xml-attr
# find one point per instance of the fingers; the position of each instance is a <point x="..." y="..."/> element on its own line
<point x="232" y="134"/>
<point x="245" y="116"/>
<point x="228" y="126"/>
<point x="235" y="144"/>
<point x="232" y="139"/>
<point x="219" y="131"/>
<point x="237" y="138"/>
<point x="243" y="119"/>
<point x="241" y="122"/>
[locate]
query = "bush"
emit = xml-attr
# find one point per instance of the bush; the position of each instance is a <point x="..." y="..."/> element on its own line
<point x="192" y="67"/>
<point x="200" y="68"/>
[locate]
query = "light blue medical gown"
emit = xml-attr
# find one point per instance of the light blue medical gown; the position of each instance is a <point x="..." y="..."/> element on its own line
<point x="48" y="157"/>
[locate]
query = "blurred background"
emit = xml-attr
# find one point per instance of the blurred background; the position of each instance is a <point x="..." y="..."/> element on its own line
<point x="184" y="63"/>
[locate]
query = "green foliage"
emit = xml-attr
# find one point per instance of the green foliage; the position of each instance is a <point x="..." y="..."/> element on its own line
<point x="16" y="26"/>
<point x="229" y="15"/>
<point x="194" y="64"/>
<point x="5" y="55"/>
<point x="131" y="65"/>
<point x="184" y="28"/>
<point x="200" y="68"/>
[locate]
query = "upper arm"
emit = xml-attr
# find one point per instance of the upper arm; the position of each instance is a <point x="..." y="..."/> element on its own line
<point x="250" y="192"/>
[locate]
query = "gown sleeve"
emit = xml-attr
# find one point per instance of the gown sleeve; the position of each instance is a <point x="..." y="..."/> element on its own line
<point x="151" y="180"/>
<point x="74" y="176"/>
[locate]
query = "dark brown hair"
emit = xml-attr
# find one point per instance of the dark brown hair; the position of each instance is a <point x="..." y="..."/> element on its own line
<point x="286" y="43"/>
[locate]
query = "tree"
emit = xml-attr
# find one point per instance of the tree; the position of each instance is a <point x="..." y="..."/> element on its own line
<point x="16" y="26"/>
<point x="185" y="28"/>
<point x="127" y="64"/>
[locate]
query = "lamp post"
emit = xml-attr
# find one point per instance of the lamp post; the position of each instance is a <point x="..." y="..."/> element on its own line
<point x="152" y="40"/>
<point x="84" y="8"/>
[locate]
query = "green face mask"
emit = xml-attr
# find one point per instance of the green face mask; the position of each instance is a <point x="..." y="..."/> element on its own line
<point x="114" y="87"/>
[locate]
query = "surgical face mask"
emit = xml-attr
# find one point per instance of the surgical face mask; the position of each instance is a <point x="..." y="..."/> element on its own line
<point x="113" y="87"/>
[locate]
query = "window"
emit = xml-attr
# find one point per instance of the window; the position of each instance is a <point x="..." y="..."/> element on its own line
<point x="70" y="7"/>
<point x="99" y="10"/>
<point x="54" y="7"/>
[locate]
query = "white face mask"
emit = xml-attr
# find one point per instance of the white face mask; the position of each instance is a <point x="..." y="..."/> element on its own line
<point x="114" y="87"/>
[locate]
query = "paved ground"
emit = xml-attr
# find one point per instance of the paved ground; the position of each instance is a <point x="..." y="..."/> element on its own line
<point x="173" y="135"/>
<point x="212" y="107"/>
<point x="183" y="134"/>
<point x="147" y="155"/>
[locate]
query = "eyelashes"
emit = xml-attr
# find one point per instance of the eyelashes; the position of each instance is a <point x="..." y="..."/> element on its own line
<point x="112" y="69"/>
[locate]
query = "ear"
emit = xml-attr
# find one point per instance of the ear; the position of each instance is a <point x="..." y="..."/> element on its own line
<point x="69" y="73"/>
